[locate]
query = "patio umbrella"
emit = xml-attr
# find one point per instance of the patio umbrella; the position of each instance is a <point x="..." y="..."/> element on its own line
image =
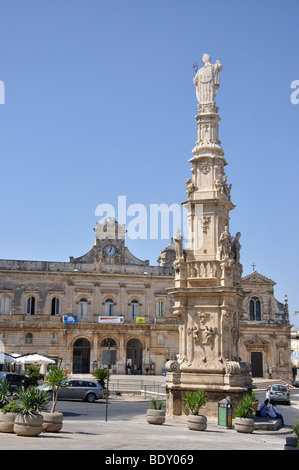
<point x="6" y="358"/>
<point x="34" y="359"/>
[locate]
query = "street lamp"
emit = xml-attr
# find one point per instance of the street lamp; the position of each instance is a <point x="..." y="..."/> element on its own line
<point x="108" y="365"/>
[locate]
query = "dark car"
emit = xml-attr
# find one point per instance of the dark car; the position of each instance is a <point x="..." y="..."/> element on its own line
<point x="295" y="383"/>
<point x="14" y="381"/>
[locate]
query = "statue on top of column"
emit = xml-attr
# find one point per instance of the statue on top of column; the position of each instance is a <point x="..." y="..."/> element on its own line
<point x="206" y="81"/>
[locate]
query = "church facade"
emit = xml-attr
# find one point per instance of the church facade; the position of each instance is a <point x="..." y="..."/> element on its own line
<point x="265" y="330"/>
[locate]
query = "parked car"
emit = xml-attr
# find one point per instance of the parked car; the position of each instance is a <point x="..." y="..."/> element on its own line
<point x="78" y="389"/>
<point x="15" y="381"/>
<point x="295" y="383"/>
<point x="278" y="393"/>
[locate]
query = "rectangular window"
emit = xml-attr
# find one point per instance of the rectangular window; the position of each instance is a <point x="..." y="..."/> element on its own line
<point x="160" y="308"/>
<point x="5" y="305"/>
<point x="55" y="306"/>
<point x="31" y="306"/>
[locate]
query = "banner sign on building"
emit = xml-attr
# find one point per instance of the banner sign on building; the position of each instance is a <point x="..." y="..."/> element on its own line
<point x="140" y="319"/>
<point x="102" y="319"/>
<point x="70" y="319"/>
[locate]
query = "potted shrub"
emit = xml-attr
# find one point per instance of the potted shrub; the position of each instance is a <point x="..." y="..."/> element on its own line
<point x="292" y="442"/>
<point x="243" y="420"/>
<point x="4" y="393"/>
<point x="32" y="377"/>
<point x="155" y="414"/>
<point x="194" y="401"/>
<point x="55" y="379"/>
<point x="7" y="417"/>
<point x="30" y="404"/>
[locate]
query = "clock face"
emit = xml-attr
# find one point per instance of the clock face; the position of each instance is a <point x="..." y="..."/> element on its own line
<point x="110" y="250"/>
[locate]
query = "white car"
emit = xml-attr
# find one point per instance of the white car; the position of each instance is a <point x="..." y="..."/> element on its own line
<point x="278" y="393"/>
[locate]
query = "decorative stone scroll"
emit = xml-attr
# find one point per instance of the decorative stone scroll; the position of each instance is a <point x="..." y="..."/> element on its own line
<point x="172" y="366"/>
<point x="237" y="368"/>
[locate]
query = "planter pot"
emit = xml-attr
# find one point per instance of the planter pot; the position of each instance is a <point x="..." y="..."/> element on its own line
<point x="52" y="421"/>
<point x="244" y="425"/>
<point x="291" y="443"/>
<point x="197" y="422"/>
<point x="7" y="422"/>
<point x="155" y="416"/>
<point x="255" y="405"/>
<point x="26" y="425"/>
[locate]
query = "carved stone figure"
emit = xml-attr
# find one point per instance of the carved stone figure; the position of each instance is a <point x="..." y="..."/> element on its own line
<point x="190" y="187"/>
<point x="206" y="81"/>
<point x="179" y="245"/>
<point x="236" y="247"/>
<point x="222" y="186"/>
<point x="225" y="243"/>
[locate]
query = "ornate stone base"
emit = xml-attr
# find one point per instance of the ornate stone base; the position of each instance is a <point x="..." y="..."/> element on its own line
<point x="233" y="384"/>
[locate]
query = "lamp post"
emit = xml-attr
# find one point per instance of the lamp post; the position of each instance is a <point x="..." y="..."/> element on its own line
<point x="108" y="365"/>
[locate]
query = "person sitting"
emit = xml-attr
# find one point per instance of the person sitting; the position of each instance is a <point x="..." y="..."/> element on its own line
<point x="273" y="413"/>
<point x="264" y="409"/>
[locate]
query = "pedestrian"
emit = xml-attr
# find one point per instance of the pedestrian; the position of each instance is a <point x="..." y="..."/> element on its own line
<point x="135" y="369"/>
<point x="273" y="413"/>
<point x="129" y="368"/>
<point x="264" y="409"/>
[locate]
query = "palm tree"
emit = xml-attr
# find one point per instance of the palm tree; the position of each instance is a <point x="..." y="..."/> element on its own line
<point x="56" y="379"/>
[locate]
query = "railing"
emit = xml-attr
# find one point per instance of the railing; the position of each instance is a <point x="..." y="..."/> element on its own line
<point x="144" y="387"/>
<point x="203" y="269"/>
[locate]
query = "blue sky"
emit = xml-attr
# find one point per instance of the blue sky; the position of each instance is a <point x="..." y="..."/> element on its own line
<point x="100" y="102"/>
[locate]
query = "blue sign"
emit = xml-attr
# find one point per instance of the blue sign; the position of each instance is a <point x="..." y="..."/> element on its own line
<point x="70" y="319"/>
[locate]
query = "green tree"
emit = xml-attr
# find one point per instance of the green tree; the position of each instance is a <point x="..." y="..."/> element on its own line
<point x="101" y="376"/>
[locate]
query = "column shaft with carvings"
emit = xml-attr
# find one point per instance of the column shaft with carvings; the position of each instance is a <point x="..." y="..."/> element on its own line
<point x="207" y="291"/>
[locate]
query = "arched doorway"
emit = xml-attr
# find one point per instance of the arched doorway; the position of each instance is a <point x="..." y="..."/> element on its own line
<point x="81" y="356"/>
<point x="134" y="355"/>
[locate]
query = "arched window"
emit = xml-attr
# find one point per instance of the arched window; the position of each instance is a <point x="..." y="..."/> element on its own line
<point x="135" y="309"/>
<point x="29" y="338"/>
<point x="31" y="306"/>
<point x="5" y="305"/>
<point x="83" y="307"/>
<point x="108" y="342"/>
<point x="109" y="308"/>
<point x="255" y="309"/>
<point x="160" y="308"/>
<point x="55" y="306"/>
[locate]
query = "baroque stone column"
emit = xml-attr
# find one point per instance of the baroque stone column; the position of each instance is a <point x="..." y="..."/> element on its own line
<point x="207" y="290"/>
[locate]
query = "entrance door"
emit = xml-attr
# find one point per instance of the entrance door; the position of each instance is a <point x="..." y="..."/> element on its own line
<point x="81" y="356"/>
<point x="160" y="363"/>
<point x="257" y="364"/>
<point x="134" y="355"/>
